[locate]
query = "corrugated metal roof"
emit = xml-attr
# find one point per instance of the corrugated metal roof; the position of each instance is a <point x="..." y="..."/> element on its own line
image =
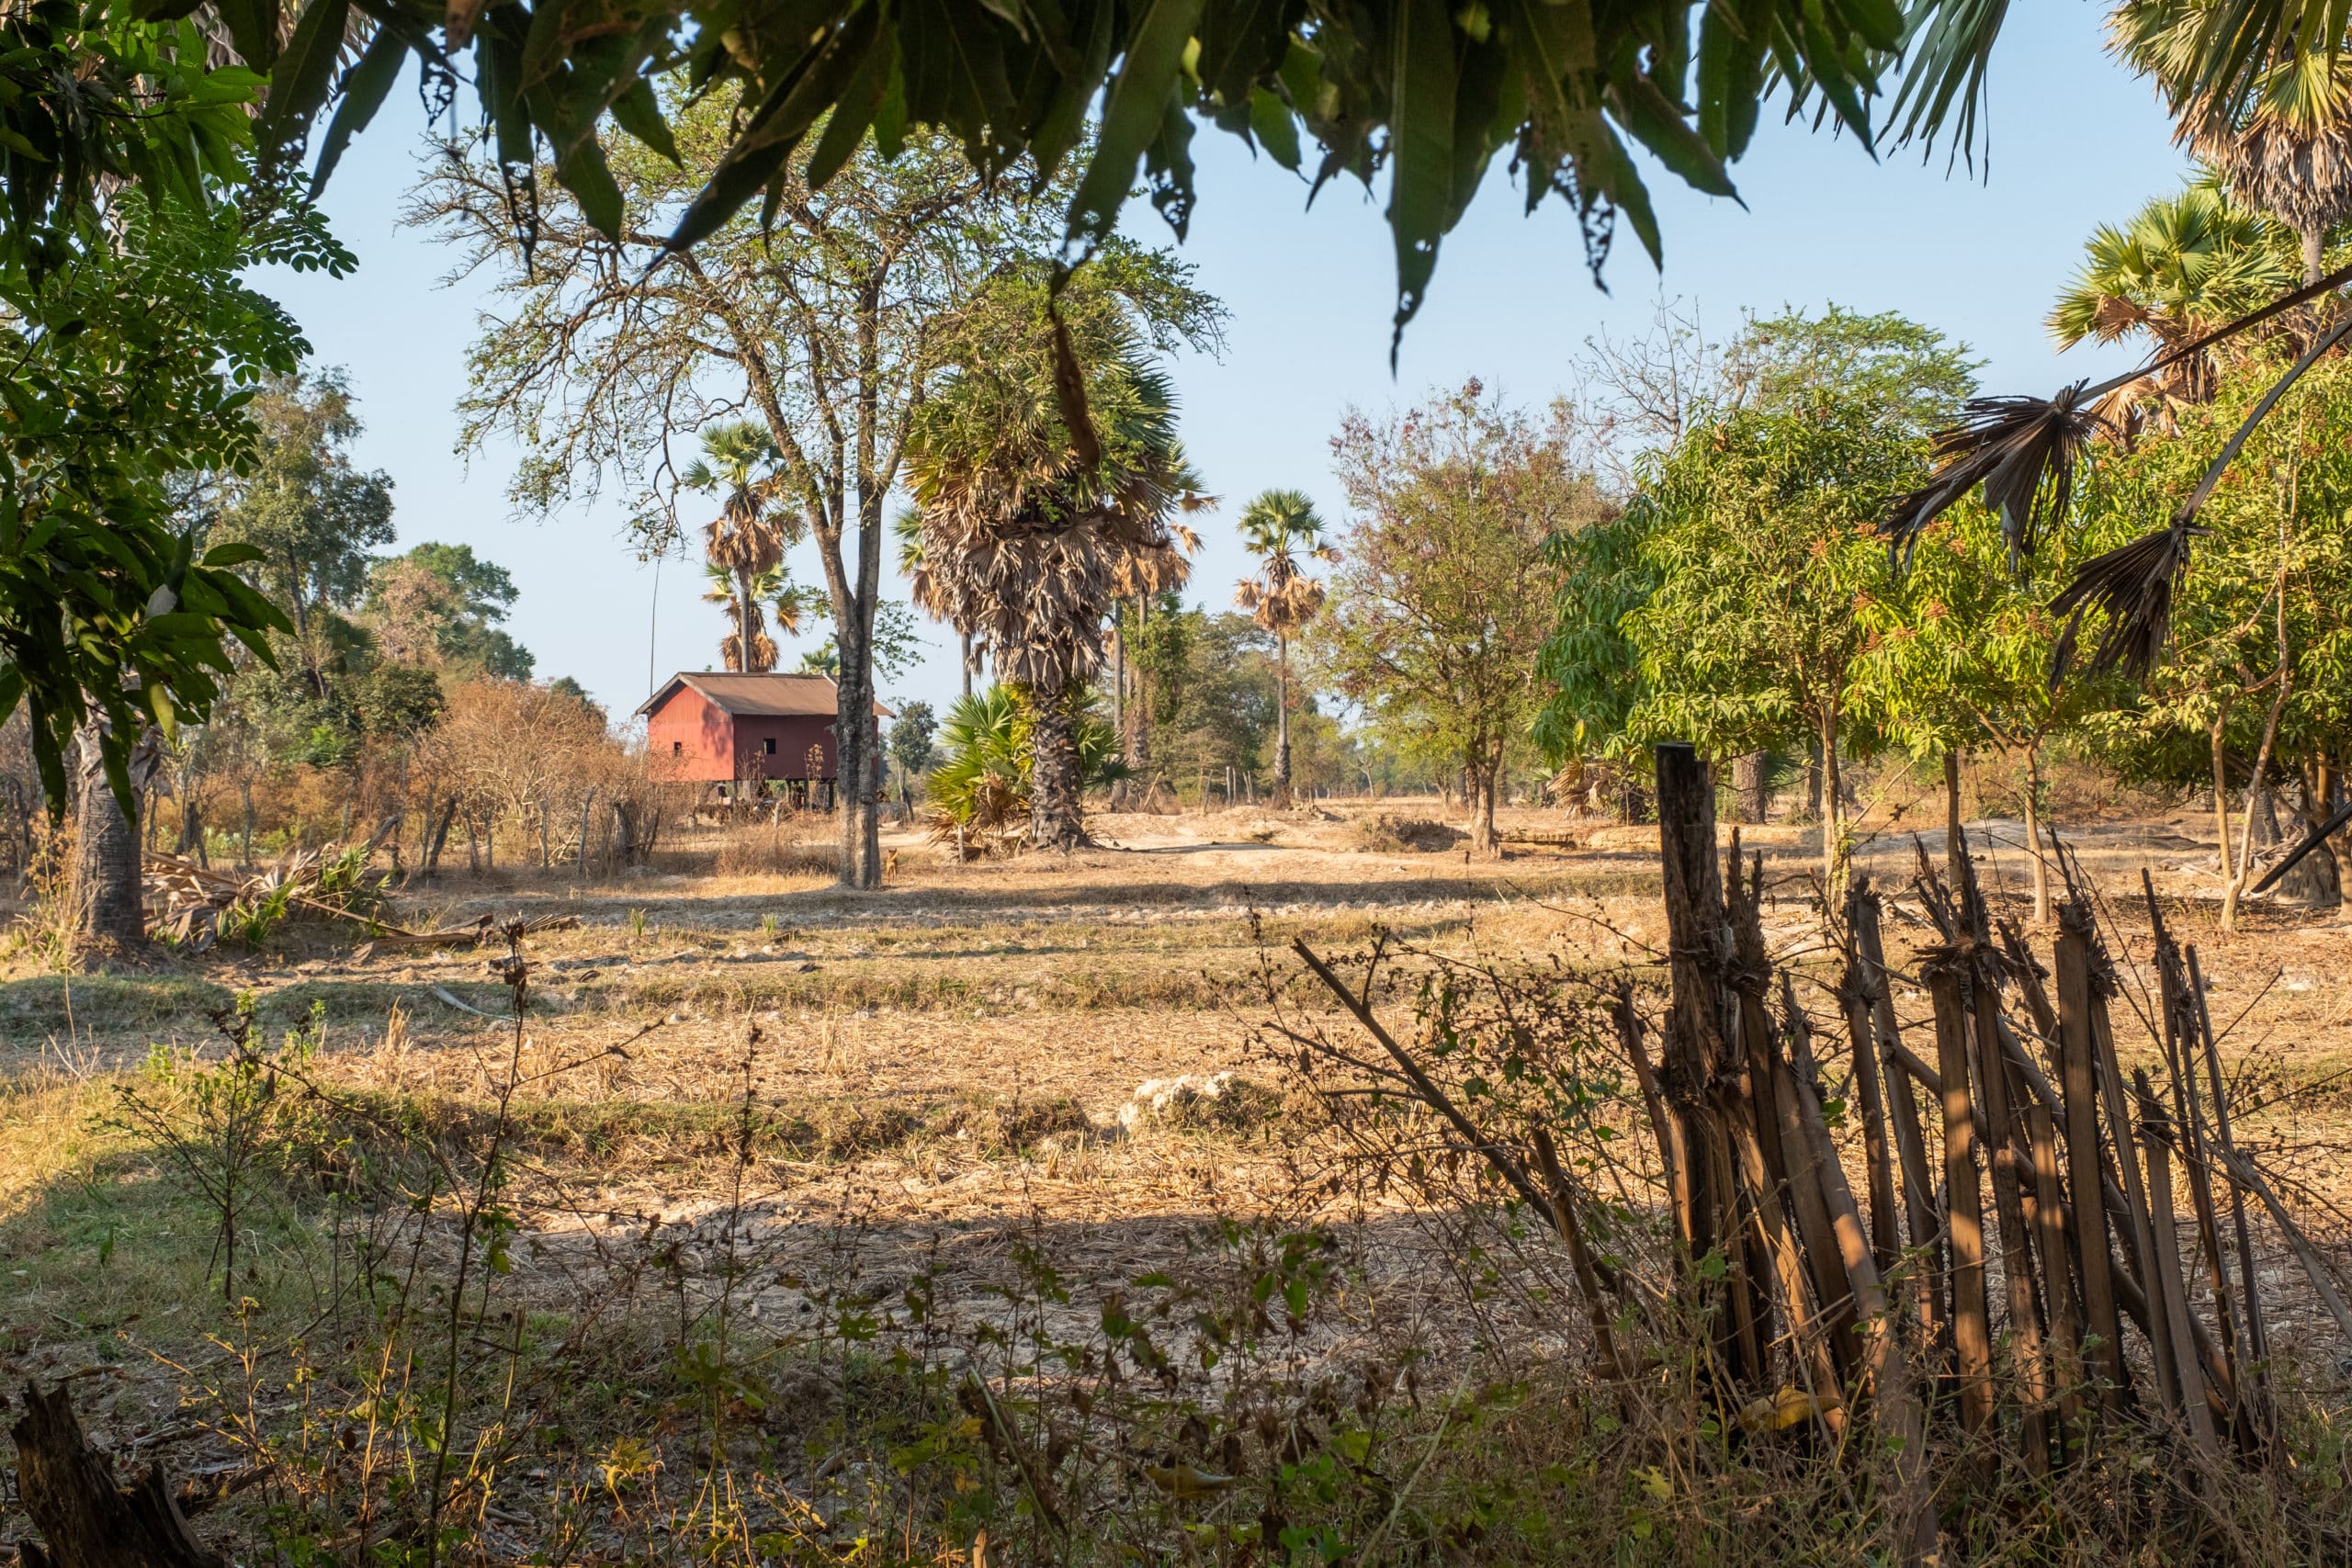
<point x="773" y="695"/>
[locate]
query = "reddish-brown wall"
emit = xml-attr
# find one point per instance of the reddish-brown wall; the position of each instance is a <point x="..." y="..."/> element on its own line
<point x="693" y="739"/>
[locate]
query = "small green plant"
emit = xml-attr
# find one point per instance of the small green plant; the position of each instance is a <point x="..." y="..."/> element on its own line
<point x="222" y="1123"/>
<point x="769" y="927"/>
<point x="636" y="925"/>
<point x="250" y="922"/>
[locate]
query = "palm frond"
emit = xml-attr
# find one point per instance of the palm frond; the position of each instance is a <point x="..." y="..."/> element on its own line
<point x="2021" y="449"/>
<point x="2131" y="587"/>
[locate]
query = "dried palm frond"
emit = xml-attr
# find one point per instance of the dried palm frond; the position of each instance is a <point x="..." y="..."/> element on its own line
<point x="2134" y="584"/>
<point x="2131" y="586"/>
<point x="2023" y="449"/>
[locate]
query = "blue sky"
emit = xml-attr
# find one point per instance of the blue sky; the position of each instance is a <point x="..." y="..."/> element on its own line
<point x="2074" y="141"/>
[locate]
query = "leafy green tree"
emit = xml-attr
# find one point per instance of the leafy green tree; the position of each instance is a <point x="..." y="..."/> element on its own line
<point x="2253" y="682"/>
<point x="1961" y="661"/>
<point x="911" y="734"/>
<point x="1444" y="595"/>
<point x="1217" y="710"/>
<point x="441" y="605"/>
<point x="310" y="515"/>
<point x="1735" y="601"/>
<point x="1278" y="527"/>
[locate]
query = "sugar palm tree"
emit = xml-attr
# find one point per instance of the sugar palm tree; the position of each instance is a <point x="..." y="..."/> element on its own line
<point x="1028" y="546"/>
<point x="745" y="647"/>
<point x="1278" y="527"/>
<point x="749" y="536"/>
<point x="2284" y="147"/>
<point x="922" y="587"/>
<point x="2184" y="265"/>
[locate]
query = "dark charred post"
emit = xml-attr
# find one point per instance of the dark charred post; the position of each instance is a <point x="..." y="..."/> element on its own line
<point x="88" y="1521"/>
<point x="2008" y="1208"/>
<point x="2140" y="1252"/>
<point x="2257" y="1338"/>
<point x="2084" y="1166"/>
<point x="1964" y="1205"/>
<point x="2058" y="1288"/>
<point x="1854" y="996"/>
<point x="2172" y="1305"/>
<point x="2181" y="1049"/>
<point x="1910" y="1137"/>
<point x="1672" y="1156"/>
<point x="1695" y="1055"/>
<point x="1769" y="1101"/>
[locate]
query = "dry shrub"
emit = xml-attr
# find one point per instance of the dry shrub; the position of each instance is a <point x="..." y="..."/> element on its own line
<point x="1385" y="832"/>
<point x="1011" y="1125"/>
<point x="532" y="761"/>
<point x="786" y="845"/>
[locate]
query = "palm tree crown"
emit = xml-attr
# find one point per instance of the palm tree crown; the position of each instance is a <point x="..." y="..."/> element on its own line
<point x="747" y="540"/>
<point x="1278" y="527"/>
<point x="2284" y="147"/>
<point x="2184" y="265"/>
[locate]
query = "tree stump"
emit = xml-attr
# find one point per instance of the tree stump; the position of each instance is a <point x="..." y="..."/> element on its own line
<point x="69" y="1490"/>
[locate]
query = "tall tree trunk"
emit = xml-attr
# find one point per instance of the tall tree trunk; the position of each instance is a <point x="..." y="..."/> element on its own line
<point x="109" y="916"/>
<point x="245" y="799"/>
<point x="2315" y="244"/>
<point x="855" y="746"/>
<point x="742" y="620"/>
<point x="967" y="665"/>
<point x="1054" y="808"/>
<point x="2316" y="880"/>
<point x="2244" y="876"/>
<point x="1749" y="797"/>
<point x="1282" y="721"/>
<point x="1482" y="783"/>
<point x="1136" y="738"/>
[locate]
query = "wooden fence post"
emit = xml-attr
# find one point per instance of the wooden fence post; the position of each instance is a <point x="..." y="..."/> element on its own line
<point x="1694" y="1053"/>
<point x="1963" y="1203"/>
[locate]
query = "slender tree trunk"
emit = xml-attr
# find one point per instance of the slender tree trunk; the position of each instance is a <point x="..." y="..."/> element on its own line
<point x="2245" y="873"/>
<point x="1282" y="721"/>
<point x="2314" y="242"/>
<point x="742" y="620"/>
<point x="1748" y="794"/>
<point x="2316" y="880"/>
<point x="967" y="665"/>
<point x="2033" y="834"/>
<point x="245" y="799"/>
<point x="2216" y="733"/>
<point x="1833" y="813"/>
<point x="1952" y="820"/>
<point x="110" y="915"/>
<point x="1054" y="808"/>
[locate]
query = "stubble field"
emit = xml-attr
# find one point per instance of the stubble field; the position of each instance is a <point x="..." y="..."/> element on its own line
<point x="869" y="1144"/>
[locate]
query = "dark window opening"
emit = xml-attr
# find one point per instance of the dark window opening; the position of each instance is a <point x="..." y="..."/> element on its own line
<point x="767" y="747"/>
<point x="677" y="747"/>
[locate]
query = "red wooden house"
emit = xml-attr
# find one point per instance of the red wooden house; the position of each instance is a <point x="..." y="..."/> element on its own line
<point x="714" y="726"/>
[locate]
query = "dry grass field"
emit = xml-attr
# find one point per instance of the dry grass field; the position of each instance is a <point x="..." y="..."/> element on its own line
<point x="769" y="1170"/>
